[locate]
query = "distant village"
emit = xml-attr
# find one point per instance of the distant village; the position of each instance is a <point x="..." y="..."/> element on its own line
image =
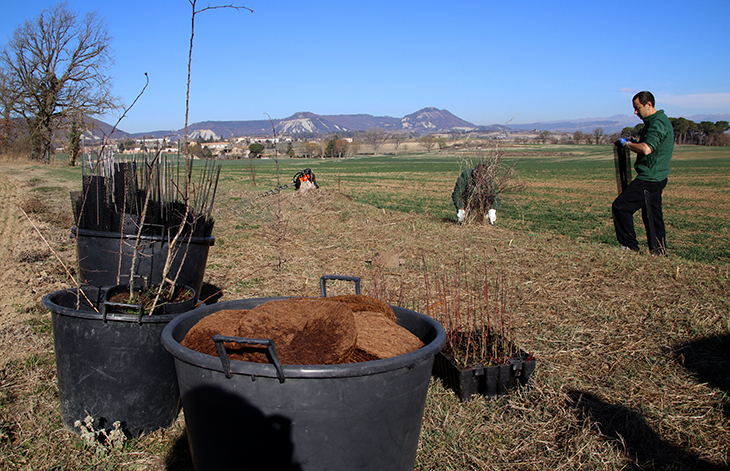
<point x="213" y="146"/>
<point x="232" y="148"/>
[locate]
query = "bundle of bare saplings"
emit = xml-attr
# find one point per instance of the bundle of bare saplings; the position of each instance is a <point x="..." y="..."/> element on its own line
<point x="308" y="331"/>
<point x="147" y="194"/>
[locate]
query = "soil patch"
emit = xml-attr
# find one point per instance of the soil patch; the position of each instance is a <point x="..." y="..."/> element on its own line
<point x="146" y="297"/>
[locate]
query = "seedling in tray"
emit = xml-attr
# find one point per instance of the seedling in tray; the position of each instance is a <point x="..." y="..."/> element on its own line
<point x="479" y="356"/>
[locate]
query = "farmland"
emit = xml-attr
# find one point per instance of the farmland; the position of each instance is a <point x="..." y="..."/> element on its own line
<point x="632" y="350"/>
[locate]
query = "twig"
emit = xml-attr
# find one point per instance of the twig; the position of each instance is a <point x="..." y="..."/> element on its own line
<point x="190" y="58"/>
<point x="68" y="272"/>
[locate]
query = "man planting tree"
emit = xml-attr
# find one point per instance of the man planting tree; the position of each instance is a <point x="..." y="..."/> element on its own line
<point x="475" y="193"/>
<point x="654" y="150"/>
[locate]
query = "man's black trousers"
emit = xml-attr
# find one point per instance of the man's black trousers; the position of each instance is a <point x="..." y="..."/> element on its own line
<point x="631" y="200"/>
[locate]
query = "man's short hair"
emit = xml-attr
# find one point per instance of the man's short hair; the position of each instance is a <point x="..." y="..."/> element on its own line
<point x="644" y="98"/>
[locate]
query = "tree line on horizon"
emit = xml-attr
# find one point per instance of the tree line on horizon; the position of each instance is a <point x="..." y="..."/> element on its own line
<point x="686" y="131"/>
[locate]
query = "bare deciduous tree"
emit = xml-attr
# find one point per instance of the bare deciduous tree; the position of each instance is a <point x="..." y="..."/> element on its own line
<point x="398" y="138"/>
<point x="7" y="99"/>
<point x="56" y="65"/>
<point x="578" y="136"/>
<point x="544" y="136"/>
<point x="375" y="137"/>
<point x="428" y="142"/>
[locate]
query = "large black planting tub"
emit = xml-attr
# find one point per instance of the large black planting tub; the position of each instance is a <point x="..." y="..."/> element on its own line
<point x="245" y="415"/>
<point x="103" y="256"/>
<point x="111" y="366"/>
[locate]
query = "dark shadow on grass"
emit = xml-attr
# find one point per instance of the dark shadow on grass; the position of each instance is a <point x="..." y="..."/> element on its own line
<point x="628" y="431"/>
<point x="708" y="359"/>
<point x="210" y="294"/>
<point x="178" y="457"/>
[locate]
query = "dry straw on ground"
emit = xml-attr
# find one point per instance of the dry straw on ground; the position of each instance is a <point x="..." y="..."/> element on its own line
<point x="623" y="341"/>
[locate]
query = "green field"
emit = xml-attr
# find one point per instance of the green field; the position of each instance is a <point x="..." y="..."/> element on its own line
<point x="569" y="190"/>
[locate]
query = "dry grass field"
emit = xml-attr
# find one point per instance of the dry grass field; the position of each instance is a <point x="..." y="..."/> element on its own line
<point x="633" y="351"/>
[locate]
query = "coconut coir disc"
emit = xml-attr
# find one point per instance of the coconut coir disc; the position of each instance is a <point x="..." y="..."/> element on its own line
<point x="360" y="302"/>
<point x="380" y="337"/>
<point x="305" y="331"/>
<point x="199" y="337"/>
<point x="308" y="331"/>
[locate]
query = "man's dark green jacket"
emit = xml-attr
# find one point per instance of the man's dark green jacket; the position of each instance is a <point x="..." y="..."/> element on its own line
<point x="460" y="196"/>
<point x="658" y="134"/>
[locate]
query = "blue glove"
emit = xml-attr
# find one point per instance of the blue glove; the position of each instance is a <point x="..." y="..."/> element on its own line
<point x="624" y="141"/>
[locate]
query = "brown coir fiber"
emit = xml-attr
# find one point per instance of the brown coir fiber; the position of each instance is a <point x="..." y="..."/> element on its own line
<point x="308" y="331"/>
<point x="380" y="337"/>
<point x="199" y="337"/>
<point x="305" y="331"/>
<point x="359" y="302"/>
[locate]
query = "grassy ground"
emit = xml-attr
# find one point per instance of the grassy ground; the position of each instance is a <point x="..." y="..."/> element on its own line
<point x="632" y="350"/>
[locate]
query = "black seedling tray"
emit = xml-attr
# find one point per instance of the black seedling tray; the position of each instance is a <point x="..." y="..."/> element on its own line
<point x="490" y="381"/>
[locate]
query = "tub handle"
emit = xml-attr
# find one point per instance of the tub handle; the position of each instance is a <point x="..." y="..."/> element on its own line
<point x="138" y="308"/>
<point x="122" y="307"/>
<point x="323" y="282"/>
<point x="226" y="362"/>
<point x="159" y="227"/>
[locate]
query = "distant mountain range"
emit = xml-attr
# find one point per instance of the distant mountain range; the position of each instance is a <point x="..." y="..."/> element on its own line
<point x="425" y="121"/>
<point x="610" y="125"/>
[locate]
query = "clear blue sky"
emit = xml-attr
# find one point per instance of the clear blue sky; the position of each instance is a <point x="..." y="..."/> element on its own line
<point x="486" y="62"/>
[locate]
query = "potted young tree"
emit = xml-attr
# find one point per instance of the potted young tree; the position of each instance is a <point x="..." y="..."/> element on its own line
<point x="493" y="368"/>
<point x="111" y="365"/>
<point x="143" y="218"/>
<point x="135" y="218"/>
<point x="110" y="361"/>
<point x="158" y="299"/>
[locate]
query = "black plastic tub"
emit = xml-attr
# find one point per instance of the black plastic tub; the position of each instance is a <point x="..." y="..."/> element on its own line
<point x="101" y="254"/>
<point x="364" y="416"/>
<point x="111" y="365"/>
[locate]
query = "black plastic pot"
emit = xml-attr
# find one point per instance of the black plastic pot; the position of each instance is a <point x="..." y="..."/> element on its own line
<point x="111" y="365"/>
<point x="163" y="308"/>
<point x="100" y="255"/>
<point x="490" y="381"/>
<point x="364" y="416"/>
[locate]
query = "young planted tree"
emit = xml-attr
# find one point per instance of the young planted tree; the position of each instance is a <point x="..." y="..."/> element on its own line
<point x="56" y="66"/>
